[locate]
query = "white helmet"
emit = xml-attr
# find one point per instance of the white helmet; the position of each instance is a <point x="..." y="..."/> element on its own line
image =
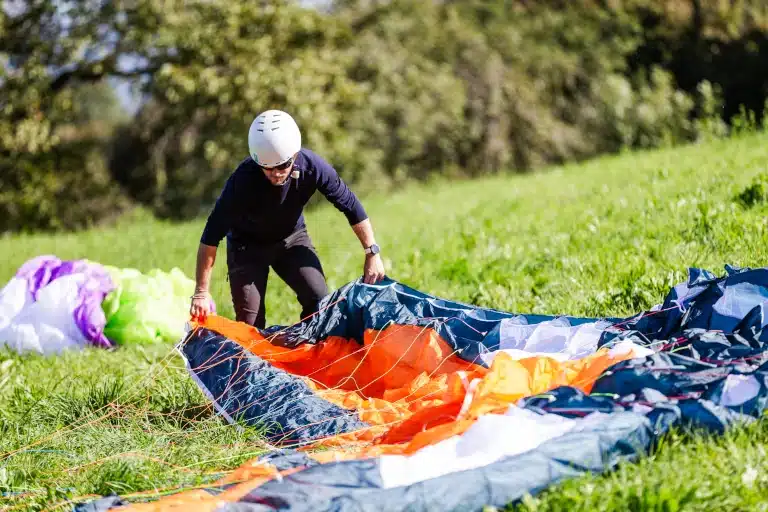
<point x="273" y="138"/>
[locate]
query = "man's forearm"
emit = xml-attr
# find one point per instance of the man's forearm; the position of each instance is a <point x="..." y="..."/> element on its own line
<point x="364" y="232"/>
<point x="206" y="257"/>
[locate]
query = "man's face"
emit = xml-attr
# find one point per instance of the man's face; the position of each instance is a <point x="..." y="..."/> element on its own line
<point x="278" y="175"/>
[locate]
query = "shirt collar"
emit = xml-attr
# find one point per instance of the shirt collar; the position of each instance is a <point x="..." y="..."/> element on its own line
<point x="301" y="161"/>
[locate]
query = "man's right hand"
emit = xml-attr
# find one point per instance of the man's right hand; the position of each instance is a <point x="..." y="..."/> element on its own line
<point x="201" y="305"/>
<point x="201" y="300"/>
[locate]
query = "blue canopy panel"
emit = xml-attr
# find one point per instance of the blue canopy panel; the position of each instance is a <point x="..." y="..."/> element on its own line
<point x="732" y="303"/>
<point x="356" y="307"/>
<point x="245" y="388"/>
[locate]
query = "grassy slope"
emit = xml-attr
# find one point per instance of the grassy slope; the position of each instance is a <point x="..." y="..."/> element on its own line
<point x="605" y="238"/>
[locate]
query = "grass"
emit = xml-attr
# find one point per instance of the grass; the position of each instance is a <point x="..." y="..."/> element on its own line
<point x="608" y="237"/>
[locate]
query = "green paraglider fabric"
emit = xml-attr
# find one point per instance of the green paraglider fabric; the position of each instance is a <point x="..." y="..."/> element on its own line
<point x="146" y="307"/>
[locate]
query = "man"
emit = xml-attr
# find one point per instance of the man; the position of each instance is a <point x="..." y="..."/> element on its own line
<point x="260" y="211"/>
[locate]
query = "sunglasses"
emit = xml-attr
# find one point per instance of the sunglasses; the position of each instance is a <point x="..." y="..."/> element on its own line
<point x="280" y="167"/>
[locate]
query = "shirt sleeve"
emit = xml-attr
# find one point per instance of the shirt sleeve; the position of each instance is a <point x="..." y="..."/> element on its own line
<point x="330" y="184"/>
<point x="218" y="223"/>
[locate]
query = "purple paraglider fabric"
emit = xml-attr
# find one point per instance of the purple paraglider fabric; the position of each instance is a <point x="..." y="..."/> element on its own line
<point x="96" y="285"/>
<point x="89" y="315"/>
<point x="41" y="270"/>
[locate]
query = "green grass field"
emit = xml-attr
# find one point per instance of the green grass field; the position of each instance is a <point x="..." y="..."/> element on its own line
<point x="608" y="237"/>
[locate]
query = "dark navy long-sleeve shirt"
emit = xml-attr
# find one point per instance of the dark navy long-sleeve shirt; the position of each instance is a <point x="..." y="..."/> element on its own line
<point x="250" y="210"/>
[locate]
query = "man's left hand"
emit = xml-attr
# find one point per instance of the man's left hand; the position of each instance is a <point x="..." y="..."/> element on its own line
<point x="373" y="270"/>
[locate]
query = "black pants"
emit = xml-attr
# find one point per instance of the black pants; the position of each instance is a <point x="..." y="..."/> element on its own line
<point x="294" y="260"/>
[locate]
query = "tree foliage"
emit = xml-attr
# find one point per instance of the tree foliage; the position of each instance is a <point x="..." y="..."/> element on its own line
<point x="387" y="90"/>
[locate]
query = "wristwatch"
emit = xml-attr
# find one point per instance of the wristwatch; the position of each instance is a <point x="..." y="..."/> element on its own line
<point x="374" y="249"/>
